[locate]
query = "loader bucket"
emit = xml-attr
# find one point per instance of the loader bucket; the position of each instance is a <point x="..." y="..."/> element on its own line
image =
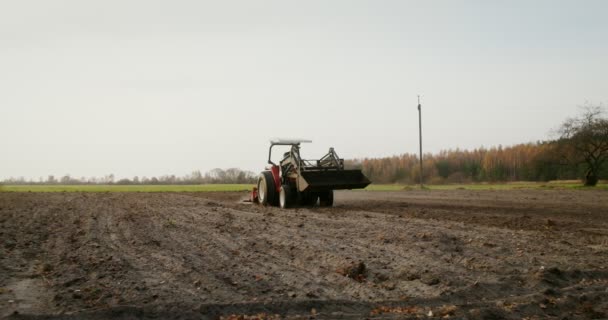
<point x="323" y="180"/>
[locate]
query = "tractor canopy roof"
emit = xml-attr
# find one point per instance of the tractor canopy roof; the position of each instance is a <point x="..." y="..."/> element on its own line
<point x="288" y="141"/>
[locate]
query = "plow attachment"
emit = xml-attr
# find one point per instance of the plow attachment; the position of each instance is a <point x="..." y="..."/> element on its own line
<point x="322" y="180"/>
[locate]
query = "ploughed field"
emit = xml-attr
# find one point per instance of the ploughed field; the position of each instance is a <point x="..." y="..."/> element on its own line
<point x="407" y="254"/>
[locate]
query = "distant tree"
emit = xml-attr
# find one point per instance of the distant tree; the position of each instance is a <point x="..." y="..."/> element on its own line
<point x="51" y="179"/>
<point x="443" y="168"/>
<point x="584" y="142"/>
<point x="196" y="177"/>
<point x="109" y="179"/>
<point x="232" y="175"/>
<point x="66" y="179"/>
<point x="124" y="182"/>
<point x="216" y="175"/>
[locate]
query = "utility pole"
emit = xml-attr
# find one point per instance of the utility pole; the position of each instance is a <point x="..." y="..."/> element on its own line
<point x="420" y="135"/>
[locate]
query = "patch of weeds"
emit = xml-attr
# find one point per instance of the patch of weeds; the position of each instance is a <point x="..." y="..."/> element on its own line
<point x="170" y="223"/>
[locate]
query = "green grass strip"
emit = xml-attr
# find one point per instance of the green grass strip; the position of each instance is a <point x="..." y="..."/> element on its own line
<point x="126" y="188"/>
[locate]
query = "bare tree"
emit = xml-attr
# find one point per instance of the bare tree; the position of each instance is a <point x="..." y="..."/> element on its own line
<point x="584" y="141"/>
<point x="216" y="175"/>
<point x="108" y="179"/>
<point x="65" y="179"/>
<point x="196" y="177"/>
<point x="231" y="175"/>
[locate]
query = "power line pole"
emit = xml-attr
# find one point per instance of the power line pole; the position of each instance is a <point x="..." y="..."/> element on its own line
<point x="420" y="135"/>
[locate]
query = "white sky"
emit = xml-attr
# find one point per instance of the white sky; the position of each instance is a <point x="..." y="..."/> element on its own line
<point x="150" y="88"/>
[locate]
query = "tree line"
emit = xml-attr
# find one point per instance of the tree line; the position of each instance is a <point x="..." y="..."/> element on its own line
<point x="580" y="152"/>
<point x="523" y="162"/>
<point x="215" y="176"/>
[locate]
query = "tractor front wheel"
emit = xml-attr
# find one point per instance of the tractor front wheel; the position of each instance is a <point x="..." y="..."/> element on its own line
<point x="286" y="197"/>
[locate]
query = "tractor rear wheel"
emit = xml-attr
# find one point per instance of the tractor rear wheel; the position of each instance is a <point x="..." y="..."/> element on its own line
<point x="326" y="199"/>
<point x="286" y="197"/>
<point x="267" y="192"/>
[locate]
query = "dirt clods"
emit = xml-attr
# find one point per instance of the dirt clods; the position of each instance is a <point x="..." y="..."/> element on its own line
<point x="356" y="271"/>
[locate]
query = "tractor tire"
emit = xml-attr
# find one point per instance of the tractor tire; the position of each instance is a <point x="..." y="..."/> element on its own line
<point x="326" y="199"/>
<point x="286" y="198"/>
<point x="308" y="199"/>
<point x="267" y="192"/>
<point x="314" y="199"/>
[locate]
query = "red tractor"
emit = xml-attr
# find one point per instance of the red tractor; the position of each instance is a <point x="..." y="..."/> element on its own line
<point x="295" y="181"/>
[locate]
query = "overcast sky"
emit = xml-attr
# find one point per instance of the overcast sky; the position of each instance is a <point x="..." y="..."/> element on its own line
<point x="151" y="88"/>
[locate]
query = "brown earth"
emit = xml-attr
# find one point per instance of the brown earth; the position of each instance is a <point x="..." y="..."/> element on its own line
<point x="411" y="254"/>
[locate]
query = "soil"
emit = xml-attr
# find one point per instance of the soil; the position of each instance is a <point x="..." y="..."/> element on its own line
<point x="378" y="255"/>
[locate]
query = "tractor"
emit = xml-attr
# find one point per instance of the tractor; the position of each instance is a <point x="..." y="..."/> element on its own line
<point x="298" y="182"/>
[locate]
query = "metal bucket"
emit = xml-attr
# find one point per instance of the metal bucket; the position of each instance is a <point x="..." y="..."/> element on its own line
<point x="323" y="180"/>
